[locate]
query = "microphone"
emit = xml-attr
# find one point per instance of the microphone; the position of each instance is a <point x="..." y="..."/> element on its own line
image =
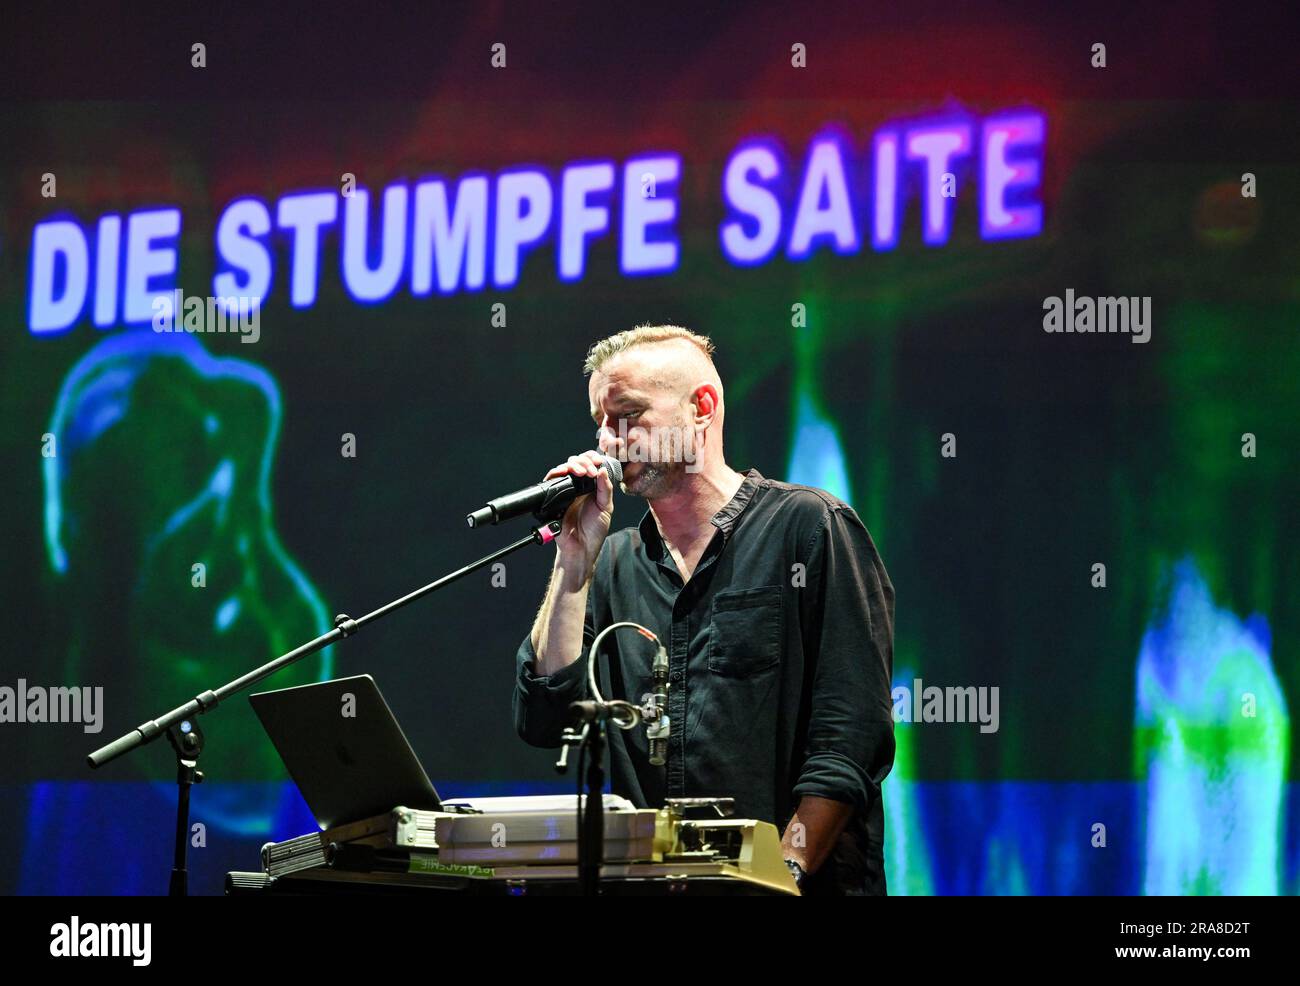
<point x="546" y="500"/>
<point x="656" y="724"/>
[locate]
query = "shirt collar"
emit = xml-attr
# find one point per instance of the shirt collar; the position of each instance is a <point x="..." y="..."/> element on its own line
<point x="724" y="519"/>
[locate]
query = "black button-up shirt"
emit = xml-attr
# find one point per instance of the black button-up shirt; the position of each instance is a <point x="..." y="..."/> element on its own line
<point x="780" y="660"/>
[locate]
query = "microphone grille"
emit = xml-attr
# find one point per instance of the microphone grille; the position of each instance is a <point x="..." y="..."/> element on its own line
<point x="614" y="468"/>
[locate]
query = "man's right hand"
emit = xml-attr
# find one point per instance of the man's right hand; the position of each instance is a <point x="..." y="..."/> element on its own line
<point x="587" y="521"/>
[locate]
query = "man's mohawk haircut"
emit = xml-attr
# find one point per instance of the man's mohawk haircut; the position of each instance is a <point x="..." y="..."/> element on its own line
<point x="641" y="335"/>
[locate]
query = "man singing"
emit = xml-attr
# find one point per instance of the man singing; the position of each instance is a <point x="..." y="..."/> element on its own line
<point x="773" y="604"/>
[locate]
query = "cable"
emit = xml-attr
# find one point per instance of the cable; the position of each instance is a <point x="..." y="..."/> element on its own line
<point x="633" y="712"/>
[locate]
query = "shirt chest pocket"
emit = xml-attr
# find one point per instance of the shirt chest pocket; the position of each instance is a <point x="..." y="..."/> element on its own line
<point x="746" y="633"/>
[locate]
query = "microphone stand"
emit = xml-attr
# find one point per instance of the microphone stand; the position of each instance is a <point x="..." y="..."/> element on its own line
<point x="590" y="741"/>
<point x="187" y="739"/>
<point x="592" y="842"/>
<point x="593" y="714"/>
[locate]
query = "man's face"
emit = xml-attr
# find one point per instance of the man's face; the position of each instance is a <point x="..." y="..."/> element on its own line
<point x="643" y="422"/>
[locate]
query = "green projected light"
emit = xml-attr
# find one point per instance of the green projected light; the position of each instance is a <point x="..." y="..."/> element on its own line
<point x="158" y="526"/>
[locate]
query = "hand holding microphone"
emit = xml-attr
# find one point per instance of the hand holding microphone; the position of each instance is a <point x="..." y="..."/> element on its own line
<point x="587" y="518"/>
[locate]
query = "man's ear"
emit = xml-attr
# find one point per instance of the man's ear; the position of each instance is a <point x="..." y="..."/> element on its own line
<point x="705" y="399"/>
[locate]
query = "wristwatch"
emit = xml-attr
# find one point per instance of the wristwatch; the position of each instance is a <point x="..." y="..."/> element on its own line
<point x="796" y="871"/>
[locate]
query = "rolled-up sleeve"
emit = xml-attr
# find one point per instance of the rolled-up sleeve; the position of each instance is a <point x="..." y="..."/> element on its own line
<point x="849" y="637"/>
<point x="541" y="702"/>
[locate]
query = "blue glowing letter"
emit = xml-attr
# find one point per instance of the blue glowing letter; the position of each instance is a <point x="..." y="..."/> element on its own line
<point x="305" y="214"/>
<point x="753" y="202"/>
<point x="578" y="220"/>
<point x="238" y="245"/>
<point x="824" y="177"/>
<point x="641" y="210"/>
<point x="52" y="241"/>
<point x="937" y="146"/>
<point x="363" y="282"/>
<point x="884" y="234"/>
<point x="1000" y="135"/>
<point x="144" y="262"/>
<point x="453" y="243"/>
<point x="107" y="247"/>
<point x="523" y="216"/>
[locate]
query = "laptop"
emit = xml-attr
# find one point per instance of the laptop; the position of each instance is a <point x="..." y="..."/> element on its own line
<point x="344" y="749"/>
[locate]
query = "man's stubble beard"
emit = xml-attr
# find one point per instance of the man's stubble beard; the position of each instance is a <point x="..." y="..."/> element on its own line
<point x="655" y="480"/>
